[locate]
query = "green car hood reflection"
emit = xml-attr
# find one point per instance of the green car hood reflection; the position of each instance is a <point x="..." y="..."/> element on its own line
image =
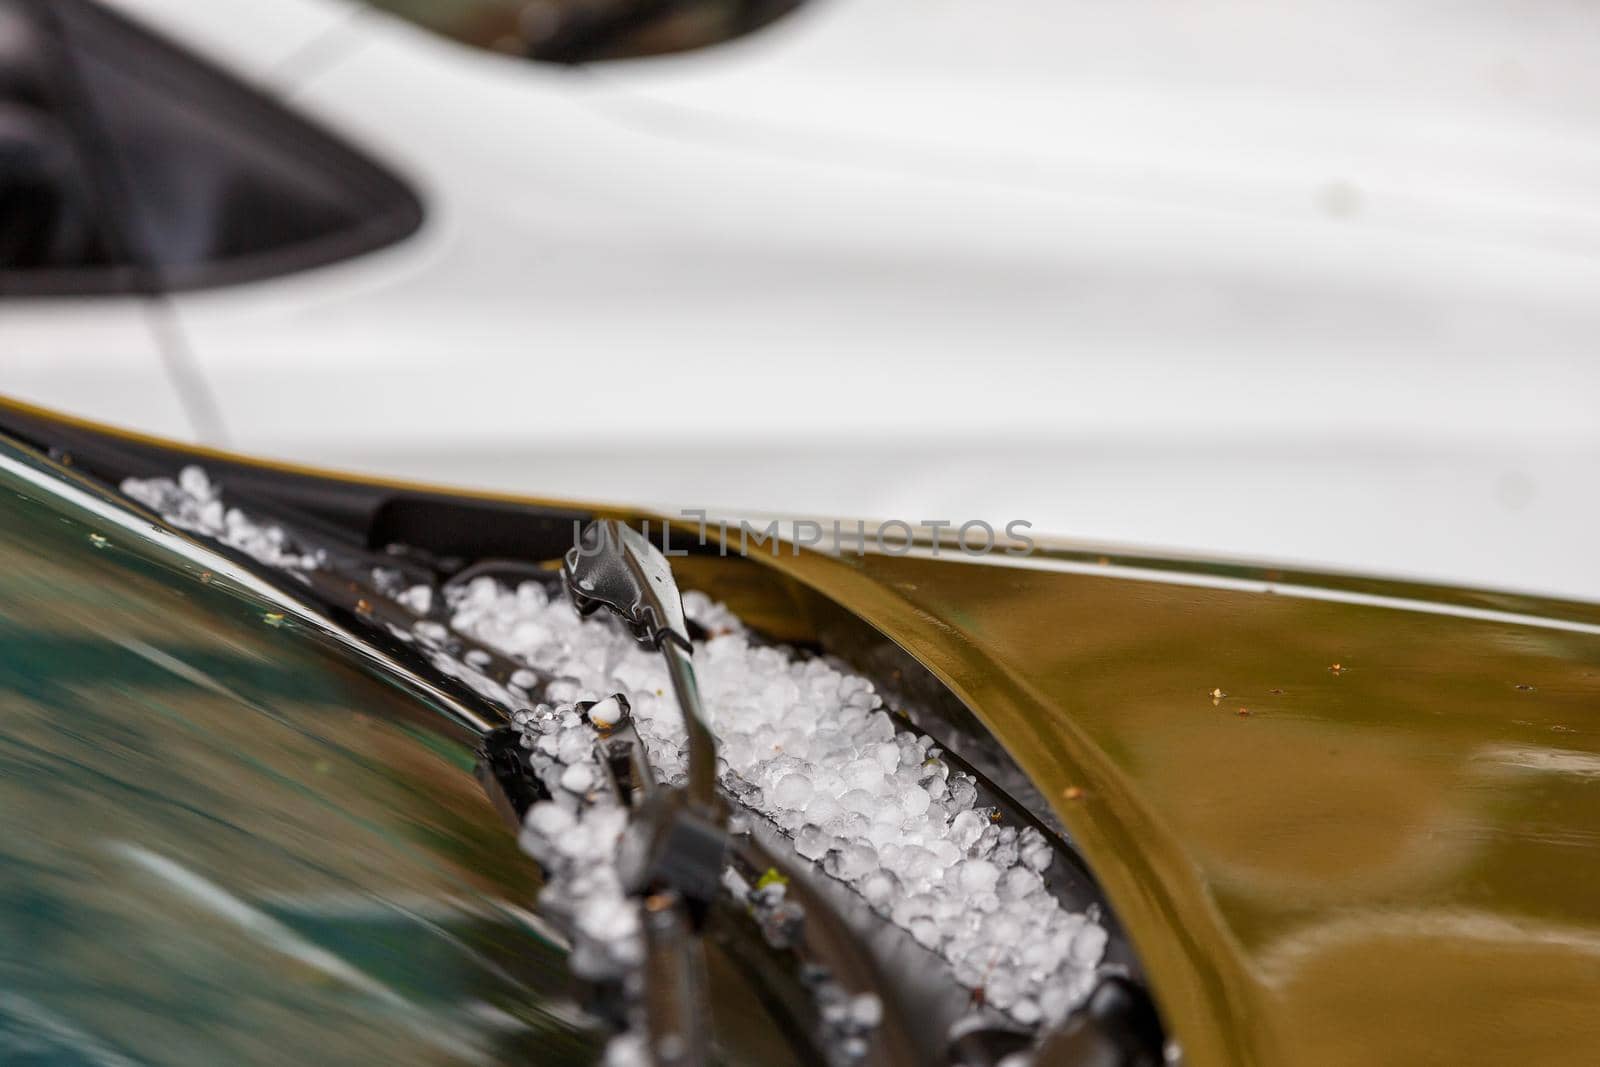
<point x="227" y="841"/>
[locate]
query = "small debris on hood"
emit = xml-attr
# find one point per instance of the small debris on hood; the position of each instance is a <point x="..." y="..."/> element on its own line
<point x="194" y="503"/>
<point x="813" y="749"/>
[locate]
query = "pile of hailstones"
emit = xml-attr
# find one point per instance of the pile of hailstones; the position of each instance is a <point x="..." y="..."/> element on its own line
<point x="811" y="748"/>
<point x="194" y="502"/>
<point x="807" y="746"/>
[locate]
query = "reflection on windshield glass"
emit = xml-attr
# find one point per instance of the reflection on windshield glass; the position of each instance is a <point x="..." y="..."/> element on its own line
<point x="577" y="31"/>
<point x="221" y="843"/>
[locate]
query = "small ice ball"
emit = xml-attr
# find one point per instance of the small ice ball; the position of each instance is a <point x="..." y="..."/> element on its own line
<point x="914" y="800"/>
<point x="860" y="801"/>
<point x="608" y="918"/>
<point x="578" y="778"/>
<point x="1002" y="989"/>
<point x="628" y="1049"/>
<point x="564" y="689"/>
<point x="887" y="810"/>
<point x="864" y="774"/>
<point x="1003" y="929"/>
<point x="879" y="726"/>
<point x="1005" y="852"/>
<point x="883" y="835"/>
<point x="978" y="876"/>
<point x="419" y="598"/>
<point x="574" y="745"/>
<point x="881" y="889"/>
<point x="1055" y="1000"/>
<point x="1036" y="856"/>
<point x="532" y="597"/>
<point x="1018" y="882"/>
<point x="823" y="808"/>
<point x="606" y="713"/>
<point x="792" y="793"/>
<point x="945" y="851"/>
<point x="966" y="828"/>
<point x="851" y="862"/>
<point x="963" y="791"/>
<point x="887" y="753"/>
<point x="849" y="825"/>
<point x="1089" y="945"/>
<point x="548" y="819"/>
<point x="193" y="481"/>
<point x="826" y="776"/>
<point x="926" y="931"/>
<point x="914" y="863"/>
<point x="866" y="1010"/>
<point x="906" y="908"/>
<point x="1037" y="956"/>
<point x="812" y="842"/>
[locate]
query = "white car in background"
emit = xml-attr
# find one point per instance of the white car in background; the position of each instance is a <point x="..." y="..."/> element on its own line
<point x="1313" y="283"/>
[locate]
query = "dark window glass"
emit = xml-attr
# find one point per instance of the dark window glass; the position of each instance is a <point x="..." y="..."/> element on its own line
<point x="128" y="164"/>
<point x="49" y="214"/>
<point x="580" y="31"/>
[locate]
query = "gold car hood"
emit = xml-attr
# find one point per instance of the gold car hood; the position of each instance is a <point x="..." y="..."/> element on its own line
<point x="1381" y="845"/>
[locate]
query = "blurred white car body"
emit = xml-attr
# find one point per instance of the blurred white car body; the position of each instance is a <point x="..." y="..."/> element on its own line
<point x="1312" y="284"/>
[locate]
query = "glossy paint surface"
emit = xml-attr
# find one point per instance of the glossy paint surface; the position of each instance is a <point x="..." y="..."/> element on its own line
<point x="1380" y="846"/>
<point x="1330" y="264"/>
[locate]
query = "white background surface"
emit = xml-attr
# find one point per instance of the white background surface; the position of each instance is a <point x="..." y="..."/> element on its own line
<point x="1313" y="283"/>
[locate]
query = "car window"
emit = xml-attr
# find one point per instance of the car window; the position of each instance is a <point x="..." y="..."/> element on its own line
<point x="580" y="31"/>
<point x="49" y="211"/>
<point x="129" y="164"/>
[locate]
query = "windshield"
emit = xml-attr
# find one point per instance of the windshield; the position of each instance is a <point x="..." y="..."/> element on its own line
<point x="222" y="842"/>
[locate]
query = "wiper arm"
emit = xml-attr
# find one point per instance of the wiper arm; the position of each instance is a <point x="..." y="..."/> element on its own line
<point x="675" y="852"/>
<point x="615" y="568"/>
